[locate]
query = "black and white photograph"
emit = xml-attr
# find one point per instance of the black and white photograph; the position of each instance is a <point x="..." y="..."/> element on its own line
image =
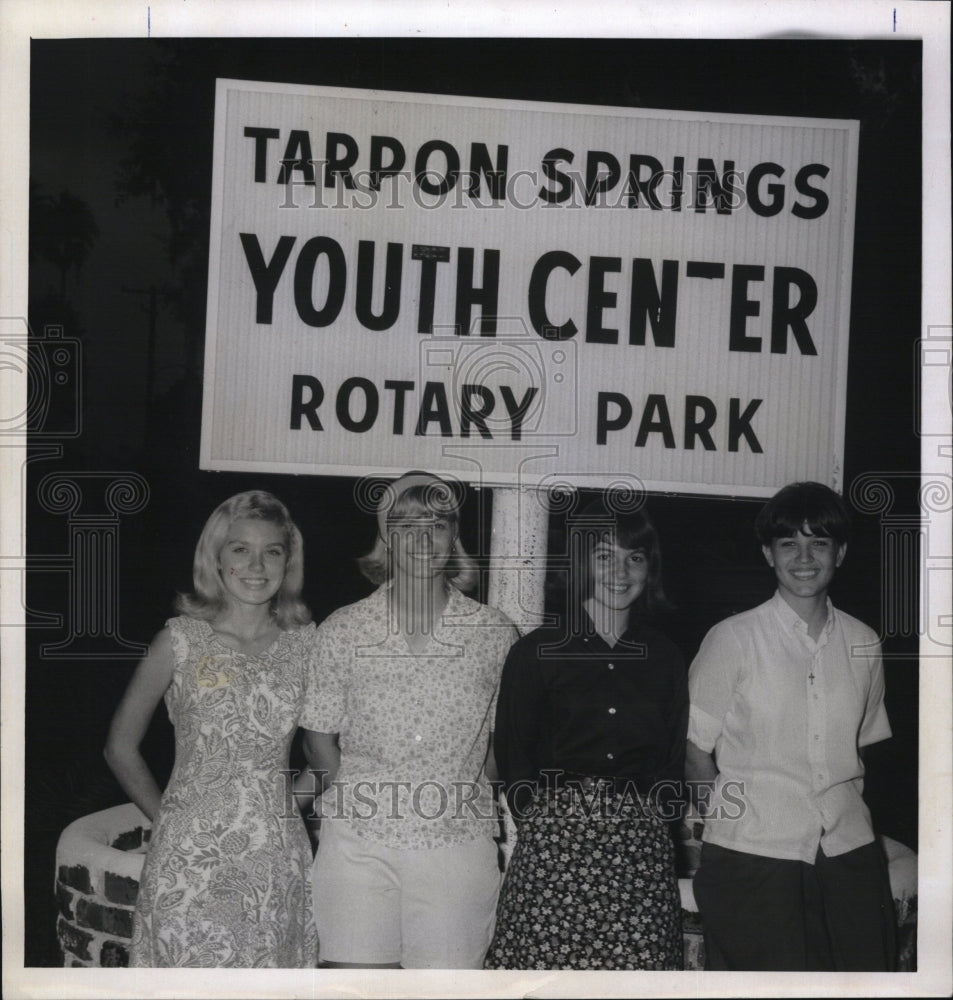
<point x="476" y="500"/>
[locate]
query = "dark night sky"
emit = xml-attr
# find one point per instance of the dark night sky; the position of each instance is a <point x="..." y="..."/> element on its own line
<point x="164" y="92"/>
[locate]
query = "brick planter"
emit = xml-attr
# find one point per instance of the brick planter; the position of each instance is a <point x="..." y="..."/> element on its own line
<point x="99" y="859"/>
<point x="98" y="862"/>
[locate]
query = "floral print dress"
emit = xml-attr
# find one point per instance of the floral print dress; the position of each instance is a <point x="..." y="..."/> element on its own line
<point x="227" y="879"/>
<point x="591" y="885"/>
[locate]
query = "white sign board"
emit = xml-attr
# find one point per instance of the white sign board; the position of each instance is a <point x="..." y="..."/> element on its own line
<point x="516" y="292"/>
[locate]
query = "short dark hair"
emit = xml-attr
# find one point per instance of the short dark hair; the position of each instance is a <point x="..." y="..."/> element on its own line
<point x="604" y="519"/>
<point x="814" y="504"/>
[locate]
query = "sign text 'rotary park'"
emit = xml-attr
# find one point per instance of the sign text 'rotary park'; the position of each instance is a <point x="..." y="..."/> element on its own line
<point x="523" y="293"/>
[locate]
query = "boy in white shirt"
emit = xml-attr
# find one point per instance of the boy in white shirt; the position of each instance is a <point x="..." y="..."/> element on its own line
<point x="783" y="698"/>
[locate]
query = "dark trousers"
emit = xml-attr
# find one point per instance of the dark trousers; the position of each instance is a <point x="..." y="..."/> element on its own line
<point x="766" y="914"/>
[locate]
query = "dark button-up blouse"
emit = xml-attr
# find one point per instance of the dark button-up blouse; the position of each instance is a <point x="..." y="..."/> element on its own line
<point x="578" y="705"/>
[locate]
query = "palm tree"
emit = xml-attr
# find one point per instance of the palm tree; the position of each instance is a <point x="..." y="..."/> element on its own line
<point x="62" y="230"/>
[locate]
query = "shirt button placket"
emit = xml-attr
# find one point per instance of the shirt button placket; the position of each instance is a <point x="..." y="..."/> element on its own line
<point x="611" y="711"/>
<point x="815" y="724"/>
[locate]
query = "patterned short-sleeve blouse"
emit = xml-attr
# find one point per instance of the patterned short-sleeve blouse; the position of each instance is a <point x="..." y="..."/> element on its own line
<point x="414" y="727"/>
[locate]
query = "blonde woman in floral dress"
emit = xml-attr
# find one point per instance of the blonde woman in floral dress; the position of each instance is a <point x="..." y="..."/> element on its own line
<point x="226" y="881"/>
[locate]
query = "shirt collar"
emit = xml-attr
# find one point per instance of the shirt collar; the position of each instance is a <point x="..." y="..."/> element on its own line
<point x="455" y="597"/>
<point x="792" y="620"/>
<point x="587" y="629"/>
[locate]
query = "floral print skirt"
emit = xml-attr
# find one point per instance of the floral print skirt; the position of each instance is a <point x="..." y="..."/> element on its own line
<point x="591" y="885"/>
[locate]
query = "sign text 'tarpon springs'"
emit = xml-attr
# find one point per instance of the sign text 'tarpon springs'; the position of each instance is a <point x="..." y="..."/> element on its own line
<point x="508" y="291"/>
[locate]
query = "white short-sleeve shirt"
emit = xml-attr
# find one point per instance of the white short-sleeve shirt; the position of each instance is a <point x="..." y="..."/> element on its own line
<point x="785" y="717"/>
<point x="414" y="728"/>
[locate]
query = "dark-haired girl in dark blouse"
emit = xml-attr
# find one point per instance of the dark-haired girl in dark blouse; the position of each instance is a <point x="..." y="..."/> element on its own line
<point x="589" y="741"/>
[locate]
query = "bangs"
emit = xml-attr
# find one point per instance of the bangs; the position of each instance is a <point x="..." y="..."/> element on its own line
<point x="627" y="532"/>
<point x="788" y="525"/>
<point x="800" y="504"/>
<point x="426" y="499"/>
<point x="634" y="536"/>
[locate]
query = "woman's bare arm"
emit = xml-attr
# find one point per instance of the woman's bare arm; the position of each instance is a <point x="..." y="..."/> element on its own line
<point x="131" y="720"/>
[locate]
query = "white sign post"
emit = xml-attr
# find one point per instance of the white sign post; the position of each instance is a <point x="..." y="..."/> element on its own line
<point x="517" y="294"/>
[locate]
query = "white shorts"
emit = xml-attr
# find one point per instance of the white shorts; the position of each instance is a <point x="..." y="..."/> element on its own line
<point x="426" y="909"/>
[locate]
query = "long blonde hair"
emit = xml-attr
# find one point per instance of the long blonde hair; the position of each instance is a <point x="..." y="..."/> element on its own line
<point x="208" y="597"/>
